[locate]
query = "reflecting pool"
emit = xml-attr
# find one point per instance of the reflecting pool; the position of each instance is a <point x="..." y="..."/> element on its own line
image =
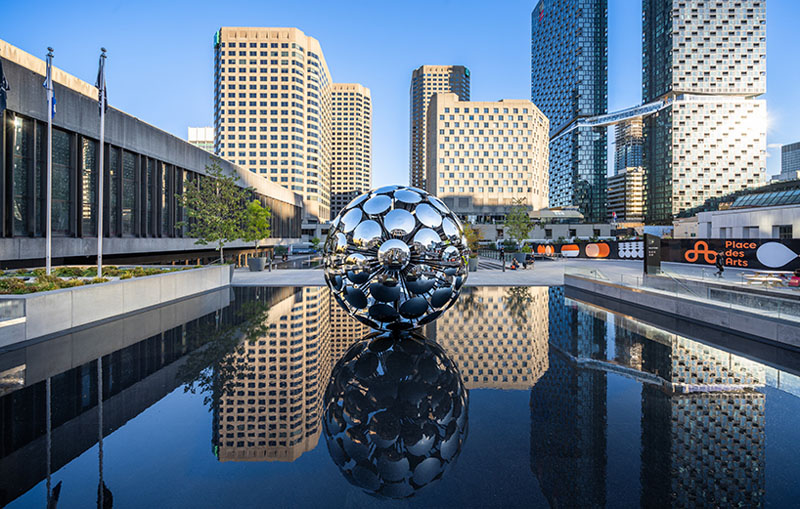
<point x="257" y="397"/>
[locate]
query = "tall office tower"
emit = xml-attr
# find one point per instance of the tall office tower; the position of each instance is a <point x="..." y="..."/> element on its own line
<point x="272" y="102"/>
<point x="496" y="336"/>
<point x="709" y="60"/>
<point x="626" y="195"/>
<point x="626" y="186"/>
<point x="569" y="81"/>
<point x="426" y="81"/>
<point x="273" y="410"/>
<point x="483" y="155"/>
<point x="351" y="161"/>
<point x="790" y="161"/>
<point x="628" y="145"/>
<point x="202" y="137"/>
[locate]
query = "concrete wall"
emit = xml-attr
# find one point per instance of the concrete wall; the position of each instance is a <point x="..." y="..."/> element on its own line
<point x="43" y="359"/>
<point x="59" y="311"/>
<point x="736" y="321"/>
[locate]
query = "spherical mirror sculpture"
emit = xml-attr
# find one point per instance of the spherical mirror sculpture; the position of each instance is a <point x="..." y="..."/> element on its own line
<point x="395" y="413"/>
<point x="395" y="258"/>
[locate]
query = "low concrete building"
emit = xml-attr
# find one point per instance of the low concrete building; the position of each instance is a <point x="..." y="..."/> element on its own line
<point x="773" y="213"/>
<point x="144" y="169"/>
<point x="781" y="222"/>
<point x="685" y="228"/>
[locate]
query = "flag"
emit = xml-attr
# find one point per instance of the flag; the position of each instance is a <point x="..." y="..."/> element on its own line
<point x="48" y="83"/>
<point x="102" y="93"/>
<point x="3" y="88"/>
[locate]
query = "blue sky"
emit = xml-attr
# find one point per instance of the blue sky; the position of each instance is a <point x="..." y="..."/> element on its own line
<point x="160" y="54"/>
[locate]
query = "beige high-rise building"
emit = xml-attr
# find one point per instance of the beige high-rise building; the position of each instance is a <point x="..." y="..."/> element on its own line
<point x="351" y="162"/>
<point x="275" y="411"/>
<point x="483" y="155"/>
<point x="426" y="81"/>
<point x="626" y="195"/>
<point x="272" y="109"/>
<point x="498" y="337"/>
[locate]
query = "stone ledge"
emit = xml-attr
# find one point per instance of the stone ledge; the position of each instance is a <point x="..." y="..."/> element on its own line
<point x="59" y="311"/>
<point x="735" y="321"/>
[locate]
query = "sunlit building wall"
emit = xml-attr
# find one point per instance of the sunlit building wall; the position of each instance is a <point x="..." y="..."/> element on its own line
<point x="351" y="161"/>
<point x="272" y="109"/>
<point x="709" y="59"/>
<point x="202" y="137"/>
<point x="483" y="155"/>
<point x="426" y="81"/>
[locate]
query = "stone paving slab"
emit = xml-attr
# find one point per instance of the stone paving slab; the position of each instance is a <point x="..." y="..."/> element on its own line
<point x="544" y="273"/>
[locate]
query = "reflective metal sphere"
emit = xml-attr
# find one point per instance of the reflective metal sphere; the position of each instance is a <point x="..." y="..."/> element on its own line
<point x="395" y="258"/>
<point x="395" y="413"/>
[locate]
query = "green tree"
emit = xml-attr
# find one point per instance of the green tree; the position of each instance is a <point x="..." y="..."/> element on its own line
<point x="473" y="236"/>
<point x="214" y="207"/>
<point x="518" y="222"/>
<point x="256" y="227"/>
<point x="315" y="242"/>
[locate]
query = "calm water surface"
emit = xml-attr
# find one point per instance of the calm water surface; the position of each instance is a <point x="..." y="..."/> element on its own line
<point x="272" y="397"/>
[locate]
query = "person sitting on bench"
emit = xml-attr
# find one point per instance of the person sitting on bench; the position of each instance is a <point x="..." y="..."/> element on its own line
<point x="514" y="264"/>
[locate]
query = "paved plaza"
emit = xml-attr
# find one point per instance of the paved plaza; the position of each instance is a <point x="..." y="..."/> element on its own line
<point x="544" y="273"/>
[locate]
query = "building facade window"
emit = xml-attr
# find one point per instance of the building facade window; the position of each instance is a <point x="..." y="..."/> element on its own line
<point x="128" y="192"/>
<point x="88" y="187"/>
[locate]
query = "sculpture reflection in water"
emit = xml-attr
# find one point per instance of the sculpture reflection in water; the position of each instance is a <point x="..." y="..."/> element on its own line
<point x="395" y="413"/>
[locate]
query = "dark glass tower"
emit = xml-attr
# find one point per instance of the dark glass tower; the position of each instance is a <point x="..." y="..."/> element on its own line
<point x="569" y="81"/>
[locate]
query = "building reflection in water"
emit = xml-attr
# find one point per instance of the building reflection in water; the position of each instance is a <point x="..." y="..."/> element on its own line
<point x="58" y="407"/>
<point x="497" y="336"/>
<point x="270" y="409"/>
<point x="702" y="424"/>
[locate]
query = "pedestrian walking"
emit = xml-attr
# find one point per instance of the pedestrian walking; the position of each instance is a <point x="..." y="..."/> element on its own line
<point x="718" y="263"/>
<point x="503" y="258"/>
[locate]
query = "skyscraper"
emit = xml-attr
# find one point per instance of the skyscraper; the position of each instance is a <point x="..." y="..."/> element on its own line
<point x="628" y="145"/>
<point x="351" y="161"/>
<point x="483" y="155"/>
<point x="569" y="81"/>
<point x="790" y="161"/>
<point x="626" y="186"/>
<point x="709" y="60"/>
<point x="426" y="81"/>
<point x="272" y="109"/>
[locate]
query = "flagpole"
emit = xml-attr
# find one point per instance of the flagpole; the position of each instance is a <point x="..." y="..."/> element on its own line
<point x="49" y="221"/>
<point x="101" y="96"/>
